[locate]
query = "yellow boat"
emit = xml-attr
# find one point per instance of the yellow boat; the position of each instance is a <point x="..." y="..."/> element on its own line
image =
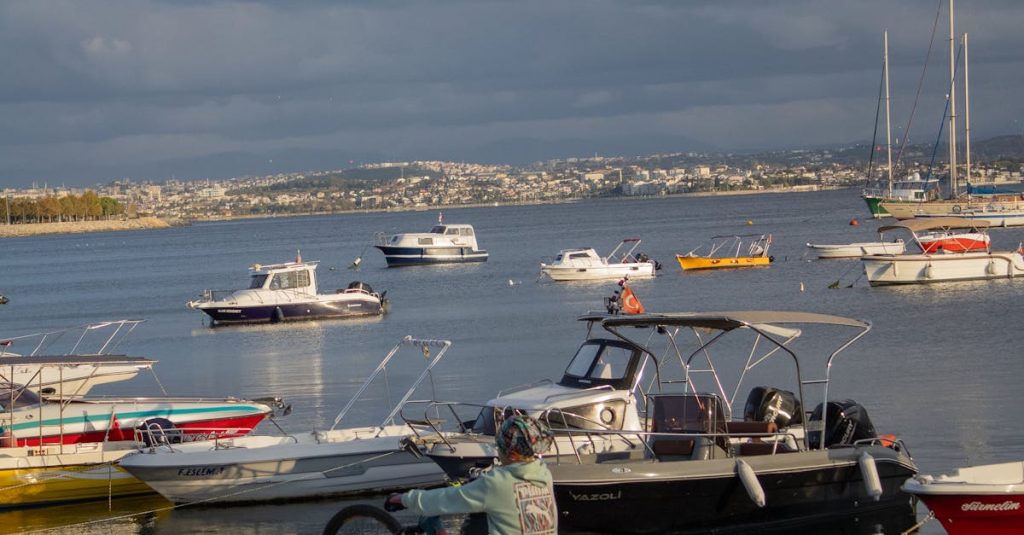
<point x="33" y="476"/>
<point x="755" y="255"/>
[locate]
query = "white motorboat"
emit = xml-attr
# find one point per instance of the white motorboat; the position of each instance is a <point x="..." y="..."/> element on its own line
<point x="737" y="464"/>
<point x="77" y="378"/>
<point x="288" y="292"/>
<point x="443" y="244"/>
<point x="857" y="250"/>
<point x="63" y="450"/>
<point x="944" y="266"/>
<point x="977" y="499"/>
<point x="585" y="264"/>
<point x="332" y="462"/>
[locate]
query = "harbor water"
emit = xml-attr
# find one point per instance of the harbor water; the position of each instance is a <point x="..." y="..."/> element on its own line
<point x="940" y="368"/>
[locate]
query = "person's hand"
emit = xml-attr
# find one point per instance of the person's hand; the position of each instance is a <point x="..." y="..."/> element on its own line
<point x="393" y="503"/>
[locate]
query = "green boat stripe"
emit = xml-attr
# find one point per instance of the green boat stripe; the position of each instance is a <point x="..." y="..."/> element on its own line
<point x="161" y="413"/>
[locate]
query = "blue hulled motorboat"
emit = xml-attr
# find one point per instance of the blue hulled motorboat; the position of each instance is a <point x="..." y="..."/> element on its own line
<point x="444" y="244"/>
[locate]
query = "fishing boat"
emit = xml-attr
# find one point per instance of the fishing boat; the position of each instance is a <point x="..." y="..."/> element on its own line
<point x="64" y="450"/>
<point x="288" y="292"/>
<point x="77" y="378"/>
<point x="336" y="461"/>
<point x="638" y="421"/>
<point x="443" y="244"/>
<point x="728" y="252"/>
<point x="940" y="266"/>
<point x="977" y="499"/>
<point x="857" y="250"/>
<point x="585" y="264"/>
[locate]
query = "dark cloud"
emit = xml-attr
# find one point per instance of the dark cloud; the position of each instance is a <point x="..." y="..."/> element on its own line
<point x="103" y="90"/>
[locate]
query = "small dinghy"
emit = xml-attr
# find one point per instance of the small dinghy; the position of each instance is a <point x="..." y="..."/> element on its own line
<point x="978" y="499"/>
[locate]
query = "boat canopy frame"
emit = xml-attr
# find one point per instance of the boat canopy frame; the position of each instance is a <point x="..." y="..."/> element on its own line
<point x="772" y="326"/>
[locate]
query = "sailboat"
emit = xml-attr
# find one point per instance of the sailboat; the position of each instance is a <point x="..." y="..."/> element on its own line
<point x="911" y="189"/>
<point x="995" y="210"/>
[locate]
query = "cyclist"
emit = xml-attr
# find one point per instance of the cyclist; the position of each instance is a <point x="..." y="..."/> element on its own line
<point x="517" y="496"/>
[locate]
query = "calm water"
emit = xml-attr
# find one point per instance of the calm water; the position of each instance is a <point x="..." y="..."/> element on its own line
<point x="941" y="367"/>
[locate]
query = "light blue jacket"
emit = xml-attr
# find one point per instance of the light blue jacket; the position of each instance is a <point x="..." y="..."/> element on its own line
<point x="518" y="499"/>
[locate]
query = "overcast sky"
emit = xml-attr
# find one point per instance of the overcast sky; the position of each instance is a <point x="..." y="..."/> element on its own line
<point x="95" y="91"/>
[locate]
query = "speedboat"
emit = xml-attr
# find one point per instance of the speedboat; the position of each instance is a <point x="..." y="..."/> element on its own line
<point x="336" y="461"/>
<point x="857" y="250"/>
<point x="585" y="264"/>
<point x="940" y="266"/>
<point x="978" y="499"/>
<point x="952" y="241"/>
<point x="75" y="378"/>
<point x="443" y="244"/>
<point x="287" y="292"/>
<point x="64" y="450"/>
<point x="733" y="466"/>
<point x="727" y="252"/>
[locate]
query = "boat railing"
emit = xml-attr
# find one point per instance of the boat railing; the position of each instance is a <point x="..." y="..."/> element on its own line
<point x="210" y="296"/>
<point x="381" y="238"/>
<point x="434" y="423"/>
<point x="577" y="393"/>
<point x="99" y="338"/>
<point x="526" y="386"/>
<point x="152" y="435"/>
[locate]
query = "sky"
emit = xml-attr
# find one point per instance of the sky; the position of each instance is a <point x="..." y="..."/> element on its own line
<point x="95" y="91"/>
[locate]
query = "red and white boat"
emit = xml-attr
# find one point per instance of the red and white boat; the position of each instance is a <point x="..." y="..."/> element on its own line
<point x="979" y="499"/>
<point x="953" y="242"/>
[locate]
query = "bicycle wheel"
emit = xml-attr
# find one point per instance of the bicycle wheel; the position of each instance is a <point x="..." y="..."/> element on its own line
<point x="362" y="519"/>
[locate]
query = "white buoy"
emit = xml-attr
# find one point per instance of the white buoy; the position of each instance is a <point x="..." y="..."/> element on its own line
<point x="801" y="286"/>
<point x="750" y="482"/>
<point x="868" y="470"/>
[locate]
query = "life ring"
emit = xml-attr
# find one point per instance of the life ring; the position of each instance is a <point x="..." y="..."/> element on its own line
<point x="956" y="209"/>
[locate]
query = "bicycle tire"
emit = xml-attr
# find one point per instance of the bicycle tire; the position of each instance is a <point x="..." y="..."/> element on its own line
<point x="362" y="519"/>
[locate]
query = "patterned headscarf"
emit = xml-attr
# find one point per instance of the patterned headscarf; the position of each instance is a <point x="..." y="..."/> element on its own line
<point x="521" y="438"/>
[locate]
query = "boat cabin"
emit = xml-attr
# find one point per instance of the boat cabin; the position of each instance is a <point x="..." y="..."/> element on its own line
<point x="295" y="276"/>
<point x="439" y="235"/>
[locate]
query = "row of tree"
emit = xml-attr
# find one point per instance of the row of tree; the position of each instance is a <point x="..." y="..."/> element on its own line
<point x="50" y="209"/>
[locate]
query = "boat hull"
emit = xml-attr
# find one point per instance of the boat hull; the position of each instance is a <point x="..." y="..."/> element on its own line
<point x="39" y="480"/>
<point x="968" y="514"/>
<point x="228" y="313"/>
<point x="882" y="270"/>
<point x="692" y="263"/>
<point x="856" y="250"/>
<point x="697" y="496"/>
<point x="279" y="468"/>
<point x="875" y="206"/>
<point x="419" y="256"/>
<point x="593" y="273"/>
<point x="997" y="213"/>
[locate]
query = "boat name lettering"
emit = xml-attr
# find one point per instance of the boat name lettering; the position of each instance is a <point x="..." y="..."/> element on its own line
<point x="978" y="506"/>
<point x="597" y="496"/>
<point x="201" y="471"/>
<point x="229" y="310"/>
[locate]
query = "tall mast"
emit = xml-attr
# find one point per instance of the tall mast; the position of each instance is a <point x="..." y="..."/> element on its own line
<point x="952" y="105"/>
<point x="967" y="116"/>
<point x="888" y="125"/>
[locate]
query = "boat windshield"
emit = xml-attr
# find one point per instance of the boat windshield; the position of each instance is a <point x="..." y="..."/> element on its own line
<point x="258" y="281"/>
<point x="438" y="229"/>
<point x="288" y="280"/>
<point x="601" y="362"/>
<point x="22" y="397"/>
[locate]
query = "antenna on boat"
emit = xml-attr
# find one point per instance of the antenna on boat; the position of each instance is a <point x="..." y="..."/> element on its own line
<point x="440" y="218"/>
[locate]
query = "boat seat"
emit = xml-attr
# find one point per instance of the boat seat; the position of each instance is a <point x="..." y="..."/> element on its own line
<point x="673" y="448"/>
<point x="747" y="449"/>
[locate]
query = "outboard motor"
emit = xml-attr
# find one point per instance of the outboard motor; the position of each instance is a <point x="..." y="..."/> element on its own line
<point x="767" y="404"/>
<point x="847" y="423"/>
<point x="642" y="257"/>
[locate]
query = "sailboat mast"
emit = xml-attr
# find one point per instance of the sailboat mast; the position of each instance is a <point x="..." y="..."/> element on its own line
<point x="888" y="124"/>
<point x="952" y="105"/>
<point x="967" y="116"/>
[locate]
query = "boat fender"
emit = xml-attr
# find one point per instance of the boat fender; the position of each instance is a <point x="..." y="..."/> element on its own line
<point x="750" y="482"/>
<point x="869" y="471"/>
<point x="991" y="267"/>
<point x="278" y="315"/>
<point x="956" y="209"/>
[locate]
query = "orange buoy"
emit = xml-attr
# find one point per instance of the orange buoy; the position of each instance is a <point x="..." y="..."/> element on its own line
<point x="854" y="222"/>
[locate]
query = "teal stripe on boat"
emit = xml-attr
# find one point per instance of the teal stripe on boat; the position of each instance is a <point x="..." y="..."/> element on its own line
<point x="163" y="413"/>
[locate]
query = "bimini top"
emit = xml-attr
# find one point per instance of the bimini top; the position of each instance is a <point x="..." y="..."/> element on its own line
<point x="727" y="320"/>
<point x="936" y="223"/>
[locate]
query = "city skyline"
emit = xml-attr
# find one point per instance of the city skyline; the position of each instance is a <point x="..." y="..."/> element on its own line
<point x="200" y="89"/>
